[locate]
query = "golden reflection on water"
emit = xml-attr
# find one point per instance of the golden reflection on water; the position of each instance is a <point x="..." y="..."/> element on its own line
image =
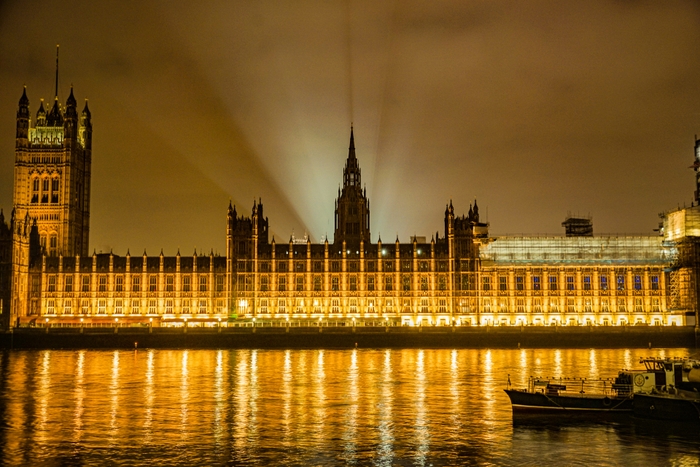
<point x="79" y="392"/>
<point x="288" y="407"/>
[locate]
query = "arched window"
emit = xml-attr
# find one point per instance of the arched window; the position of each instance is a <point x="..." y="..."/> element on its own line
<point x="55" y="184"/>
<point x="35" y="190"/>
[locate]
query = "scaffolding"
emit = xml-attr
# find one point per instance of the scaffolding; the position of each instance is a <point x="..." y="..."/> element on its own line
<point x="545" y="250"/>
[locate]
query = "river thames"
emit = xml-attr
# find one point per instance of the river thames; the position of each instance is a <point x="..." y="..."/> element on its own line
<point x="311" y="407"/>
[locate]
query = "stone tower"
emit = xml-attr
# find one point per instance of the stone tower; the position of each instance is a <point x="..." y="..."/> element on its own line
<point x="352" y="205"/>
<point x="52" y="174"/>
<point x="51" y="202"/>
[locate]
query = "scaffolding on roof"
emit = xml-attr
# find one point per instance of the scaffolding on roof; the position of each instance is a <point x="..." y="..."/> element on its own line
<point x="578" y="250"/>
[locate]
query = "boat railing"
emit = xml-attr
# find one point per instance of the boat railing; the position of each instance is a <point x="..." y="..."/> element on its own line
<point x="577" y="386"/>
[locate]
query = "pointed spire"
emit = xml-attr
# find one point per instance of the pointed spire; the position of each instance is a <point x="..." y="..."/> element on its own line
<point x="86" y="110"/>
<point x="24" y="100"/>
<point x="352" y="141"/>
<point x="71" y="102"/>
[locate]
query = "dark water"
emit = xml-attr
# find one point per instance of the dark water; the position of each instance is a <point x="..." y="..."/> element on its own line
<point x="310" y="407"/>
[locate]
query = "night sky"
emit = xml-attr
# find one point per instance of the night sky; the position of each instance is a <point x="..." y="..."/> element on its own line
<point x="535" y="108"/>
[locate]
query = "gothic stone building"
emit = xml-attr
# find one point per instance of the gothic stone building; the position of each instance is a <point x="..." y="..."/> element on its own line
<point x="462" y="276"/>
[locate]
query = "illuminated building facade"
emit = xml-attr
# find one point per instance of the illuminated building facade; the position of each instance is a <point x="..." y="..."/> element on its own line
<point x="461" y="276"/>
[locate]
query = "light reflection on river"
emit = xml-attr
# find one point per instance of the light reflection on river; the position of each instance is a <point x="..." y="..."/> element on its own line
<point x="309" y="407"/>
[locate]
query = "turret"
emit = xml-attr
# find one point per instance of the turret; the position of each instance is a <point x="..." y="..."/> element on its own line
<point x="86" y="127"/>
<point x="70" y="122"/>
<point x="23" y="120"/>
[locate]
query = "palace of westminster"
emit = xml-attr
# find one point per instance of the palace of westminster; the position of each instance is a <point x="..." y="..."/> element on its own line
<point x="460" y="277"/>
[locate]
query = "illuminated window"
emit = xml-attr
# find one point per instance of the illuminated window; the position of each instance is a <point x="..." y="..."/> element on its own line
<point x="263" y="306"/>
<point x="570" y="306"/>
<point x="152" y="283"/>
<point x="442" y="306"/>
<point x="588" y="305"/>
<point x="537" y="305"/>
<point x="603" y="282"/>
<point x="102" y="283"/>
<point x="502" y="283"/>
<point x="169" y="307"/>
<point x="423" y="283"/>
<point x="370" y="283"/>
<point x="202" y="283"/>
<point x="353" y="283"/>
<point x="406" y="282"/>
<point x="118" y="307"/>
<point x="637" y="282"/>
<point x="503" y="306"/>
<point x="638" y="305"/>
<point x="536" y="283"/>
<point x="442" y="282"/>
<point x="486" y="283"/>
<point x="102" y="307"/>
<point x="68" y="306"/>
<point x="519" y="283"/>
<point x="51" y="307"/>
<point x="52" y="283"/>
<point x="569" y="282"/>
<point x="423" y="305"/>
<point x="134" y="307"/>
<point x="186" y="283"/>
<point x="655" y="306"/>
<point x="620" y="282"/>
<point x="282" y="305"/>
<point x="334" y="283"/>
<point x="317" y="283"/>
<point x="219" y="283"/>
<point x="136" y="284"/>
<point x="169" y="283"/>
<point x="68" y="286"/>
<point x="85" y="307"/>
<point x="281" y="283"/>
<point x="604" y="305"/>
<point x="300" y="283"/>
<point x="86" y="283"/>
<point x="335" y="306"/>
<point x="553" y="283"/>
<point x="520" y="304"/>
<point x="353" y="305"/>
<point x="654" y="282"/>
<point x="119" y="283"/>
<point x="263" y="283"/>
<point x="152" y="306"/>
<point x="554" y="306"/>
<point x="186" y="306"/>
<point x="388" y="283"/>
<point x="621" y="305"/>
<point x="586" y="282"/>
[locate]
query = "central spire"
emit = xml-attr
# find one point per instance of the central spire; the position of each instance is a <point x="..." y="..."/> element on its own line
<point x="351" y="172"/>
<point x="352" y="206"/>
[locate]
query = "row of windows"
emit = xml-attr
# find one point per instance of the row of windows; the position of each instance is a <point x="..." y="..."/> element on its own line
<point x="299" y="284"/>
<point x="136" y="286"/>
<point x="352" y="266"/>
<point x="300" y="306"/>
<point x="503" y="306"/>
<point x="587" y="282"/>
<point x="135" y="307"/>
<point x="45" y="194"/>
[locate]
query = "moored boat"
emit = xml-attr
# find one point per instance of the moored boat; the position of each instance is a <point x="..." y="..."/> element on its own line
<point x="579" y="396"/>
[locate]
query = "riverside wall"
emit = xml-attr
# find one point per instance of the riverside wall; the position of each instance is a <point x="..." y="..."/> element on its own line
<point x="360" y="337"/>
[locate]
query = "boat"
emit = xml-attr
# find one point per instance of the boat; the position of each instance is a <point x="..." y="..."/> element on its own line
<point x="585" y="396"/>
<point x="678" y="400"/>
